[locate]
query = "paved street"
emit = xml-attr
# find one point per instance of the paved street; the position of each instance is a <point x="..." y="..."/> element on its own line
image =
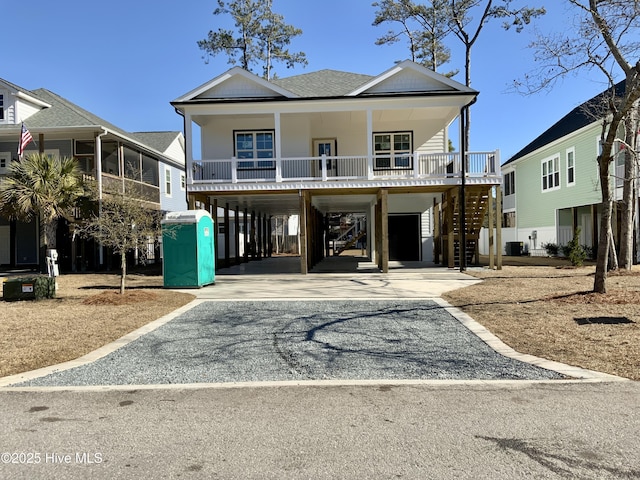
<point x="487" y="430"/>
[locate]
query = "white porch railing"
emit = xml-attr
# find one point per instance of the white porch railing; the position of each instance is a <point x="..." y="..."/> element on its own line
<point x="336" y="168"/>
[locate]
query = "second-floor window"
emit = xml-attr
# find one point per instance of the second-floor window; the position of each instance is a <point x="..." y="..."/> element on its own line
<point x="1" y="106"/>
<point x="255" y="149"/>
<point x="510" y="183"/>
<point x="167" y="182"/>
<point x="392" y="150"/>
<point x="551" y="173"/>
<point x="571" y="166"/>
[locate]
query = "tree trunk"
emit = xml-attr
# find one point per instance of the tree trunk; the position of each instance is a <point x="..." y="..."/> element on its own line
<point x="123" y="271"/>
<point x="628" y="191"/>
<point x="604" y="162"/>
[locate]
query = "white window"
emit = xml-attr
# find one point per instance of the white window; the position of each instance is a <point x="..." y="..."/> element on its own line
<point x="5" y="160"/>
<point x="254" y="149"/>
<point x="551" y="173"/>
<point x="167" y="182"/>
<point x="510" y="183"/>
<point x="392" y="150"/>
<point x="571" y="166"/>
<point x="183" y="182"/>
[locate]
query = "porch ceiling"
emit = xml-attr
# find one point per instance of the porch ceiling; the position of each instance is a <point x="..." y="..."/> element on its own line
<point x="289" y="204"/>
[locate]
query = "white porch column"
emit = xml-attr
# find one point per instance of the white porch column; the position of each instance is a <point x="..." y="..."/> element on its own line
<point x="188" y="147"/>
<point x="369" y="144"/>
<point x="276" y="118"/>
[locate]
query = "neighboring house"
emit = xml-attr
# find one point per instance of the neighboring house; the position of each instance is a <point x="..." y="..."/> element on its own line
<point x="330" y="142"/>
<point x="552" y="186"/>
<point x="149" y="163"/>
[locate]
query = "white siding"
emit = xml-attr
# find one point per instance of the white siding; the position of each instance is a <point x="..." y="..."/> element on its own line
<point x="238" y="87"/>
<point x="407" y="81"/>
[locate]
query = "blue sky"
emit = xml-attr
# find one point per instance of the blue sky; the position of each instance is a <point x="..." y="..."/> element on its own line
<point x="126" y="60"/>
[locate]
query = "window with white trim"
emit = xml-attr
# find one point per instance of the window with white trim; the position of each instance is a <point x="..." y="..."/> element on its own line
<point x="571" y="166"/>
<point x="255" y="149"/>
<point x="392" y="150"/>
<point x="551" y="173"/>
<point x="167" y="182"/>
<point x="510" y="183"/>
<point x="5" y="160"/>
<point x="1" y="106"/>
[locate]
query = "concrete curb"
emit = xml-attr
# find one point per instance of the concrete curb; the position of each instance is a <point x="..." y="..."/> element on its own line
<point x="503" y="349"/>
<point x="100" y="352"/>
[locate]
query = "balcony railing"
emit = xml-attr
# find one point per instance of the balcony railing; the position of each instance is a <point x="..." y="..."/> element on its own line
<point x="337" y="168"/>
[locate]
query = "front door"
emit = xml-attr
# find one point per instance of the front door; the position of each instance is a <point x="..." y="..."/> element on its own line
<point x="326" y="146"/>
<point x="404" y="237"/>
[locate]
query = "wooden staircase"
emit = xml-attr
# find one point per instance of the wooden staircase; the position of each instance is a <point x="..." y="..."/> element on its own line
<point x="476" y="204"/>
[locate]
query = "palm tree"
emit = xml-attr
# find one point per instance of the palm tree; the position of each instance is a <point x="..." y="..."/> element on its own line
<point x="44" y="187"/>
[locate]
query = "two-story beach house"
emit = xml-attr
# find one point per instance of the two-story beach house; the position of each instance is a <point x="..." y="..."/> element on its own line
<point x="151" y="164"/>
<point x="329" y="141"/>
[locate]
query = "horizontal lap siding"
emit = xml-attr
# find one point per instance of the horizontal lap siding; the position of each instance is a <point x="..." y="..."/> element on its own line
<point x="536" y="208"/>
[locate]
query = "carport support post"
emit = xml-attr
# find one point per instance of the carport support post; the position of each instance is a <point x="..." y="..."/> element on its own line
<point x="245" y="235"/>
<point x="491" y="242"/>
<point x="499" y="225"/>
<point x="383" y="201"/>
<point x="236" y="233"/>
<point x="302" y="225"/>
<point x="269" y="236"/>
<point x="216" y="229"/>
<point x="327" y="243"/>
<point x="252" y="238"/>
<point x="227" y="236"/>
<point x="451" y="261"/>
<point x="259" y="242"/>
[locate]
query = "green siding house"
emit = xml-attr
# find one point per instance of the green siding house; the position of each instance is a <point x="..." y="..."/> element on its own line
<point x="551" y="187"/>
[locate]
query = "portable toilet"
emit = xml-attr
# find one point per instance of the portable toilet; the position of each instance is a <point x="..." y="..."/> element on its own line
<point x="188" y="249"/>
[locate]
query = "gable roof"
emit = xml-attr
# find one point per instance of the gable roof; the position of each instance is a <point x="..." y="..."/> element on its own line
<point x="60" y="113"/>
<point x="323" y="83"/>
<point x="161" y="141"/>
<point x="406" y="77"/>
<point x="576" y="119"/>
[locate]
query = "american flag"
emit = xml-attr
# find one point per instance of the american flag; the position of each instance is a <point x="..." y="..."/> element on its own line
<point x="25" y="139"/>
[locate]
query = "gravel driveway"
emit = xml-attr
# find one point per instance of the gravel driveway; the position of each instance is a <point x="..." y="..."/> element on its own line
<point x="230" y="341"/>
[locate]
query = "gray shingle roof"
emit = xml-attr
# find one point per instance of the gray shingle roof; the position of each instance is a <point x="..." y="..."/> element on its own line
<point x="64" y="113"/>
<point x="323" y="83"/>
<point x="574" y="120"/>
<point x="158" y="140"/>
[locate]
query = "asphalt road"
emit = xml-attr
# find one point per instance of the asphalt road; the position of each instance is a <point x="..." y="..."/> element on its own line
<point x="486" y="430"/>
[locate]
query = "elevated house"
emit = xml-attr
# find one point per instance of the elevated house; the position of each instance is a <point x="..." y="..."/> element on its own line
<point x="151" y="164"/>
<point x="552" y="185"/>
<point x="329" y="142"/>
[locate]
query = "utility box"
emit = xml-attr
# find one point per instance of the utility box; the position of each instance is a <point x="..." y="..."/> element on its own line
<point x="36" y="287"/>
<point x="188" y="249"/>
<point x="515" y="249"/>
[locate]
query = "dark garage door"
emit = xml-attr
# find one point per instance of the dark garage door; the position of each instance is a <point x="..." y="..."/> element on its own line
<point x="404" y="237"/>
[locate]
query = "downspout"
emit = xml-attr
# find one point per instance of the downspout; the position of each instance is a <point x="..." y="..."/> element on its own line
<point x="464" y="112"/>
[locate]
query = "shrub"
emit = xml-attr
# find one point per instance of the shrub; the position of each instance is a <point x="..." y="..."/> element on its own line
<point x="575" y="252"/>
<point x="552" y="249"/>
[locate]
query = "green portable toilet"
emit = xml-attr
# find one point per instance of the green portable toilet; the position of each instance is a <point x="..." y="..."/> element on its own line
<point x="188" y="253"/>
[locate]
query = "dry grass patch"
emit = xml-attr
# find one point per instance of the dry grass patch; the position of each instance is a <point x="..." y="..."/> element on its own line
<point x="86" y="314"/>
<point x="550" y="312"/>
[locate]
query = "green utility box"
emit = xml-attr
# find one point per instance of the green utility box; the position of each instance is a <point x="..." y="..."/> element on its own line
<point x="34" y="287"/>
<point x="188" y="254"/>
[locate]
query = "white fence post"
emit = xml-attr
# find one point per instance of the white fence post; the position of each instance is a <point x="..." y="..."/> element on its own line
<point x="234" y="170"/>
